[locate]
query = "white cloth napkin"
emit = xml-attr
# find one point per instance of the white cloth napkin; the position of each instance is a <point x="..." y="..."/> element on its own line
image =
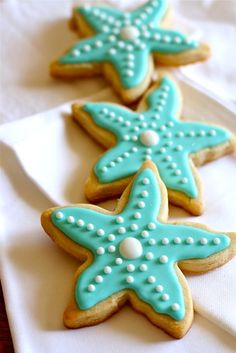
<point x="56" y="156"/>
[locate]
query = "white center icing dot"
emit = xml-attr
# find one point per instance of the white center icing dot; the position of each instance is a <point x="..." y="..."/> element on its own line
<point x="129" y="32"/>
<point x="149" y="138"/>
<point x="131" y="248"/>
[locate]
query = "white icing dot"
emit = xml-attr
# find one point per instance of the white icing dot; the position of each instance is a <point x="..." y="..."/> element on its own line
<point x="135" y="138"/>
<point x="162" y="128"/>
<point x="111" y="248"/>
<point x="159" y="288"/>
<point x="80" y="223"/>
<point x="143" y="267"/>
<point x="136" y="128"/>
<point x="163" y="259"/>
<point x="141" y="204"/>
<point x="177" y="40"/>
<point x="130" y="268"/>
<point x="112" y="164"/>
<point x="189" y="240"/>
<point x="184" y="180"/>
<point x="203" y="241"/>
<point x="112" y="51"/>
<point x="100" y="232"/>
<point x="121" y="44"/>
<point x="180" y="134"/>
<point x="165" y="241"/>
<point x="202" y="133"/>
<point x="177" y="240"/>
<point x="91" y="287"/>
<point x="127" y="123"/>
<point x="99" y="279"/>
<point x="165" y="297"/>
<point x="98" y="44"/>
<point x="178" y="172"/>
<point x="104" y="169"/>
<point x="107" y="269"/>
<point x="131" y="248"/>
<point x="126" y="154"/>
<point x="112" y="38"/>
<point x="129" y="73"/>
<point x="105" y="29"/>
<point x="126" y="138"/>
<point x="104" y="111"/>
<point x="179" y="148"/>
<point x="137" y="215"/>
<point x="144" y="233"/>
<point x="119" y="159"/>
<point x="145" y="181"/>
<point x="151" y="241"/>
<point x="87" y="48"/>
<point x="216" y="241"/>
<point x="168" y="158"/>
<point x="90" y="226"/>
<point x="173" y="165"/>
<point x="212" y="132"/>
<point x="111" y="237"/>
<point x="129" y="279"/>
<point x="119" y="219"/>
<point x="149" y="138"/>
<point x="166" y="39"/>
<point x="118" y="261"/>
<point x="75" y="52"/>
<point x="168" y="134"/>
<point x="191" y="133"/>
<point x="166" y="88"/>
<point x="144" y="193"/>
<point x="156" y="116"/>
<point x="157" y="36"/>
<point x="175" y="307"/>
<point x="162" y="150"/>
<point x="151" y="225"/>
<point x="149" y="255"/>
<point x="151" y="279"/>
<point x="144" y="124"/>
<point x="134" y="226"/>
<point x="59" y="215"/>
<point x="121" y="230"/>
<point x="100" y="250"/>
<point x="70" y="219"/>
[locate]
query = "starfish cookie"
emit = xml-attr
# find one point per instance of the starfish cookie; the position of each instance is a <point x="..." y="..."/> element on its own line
<point x="124" y="46"/>
<point x="134" y="255"/>
<point x="152" y="133"/>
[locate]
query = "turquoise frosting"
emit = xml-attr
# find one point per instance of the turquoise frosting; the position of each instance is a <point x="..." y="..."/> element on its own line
<point x="177" y="139"/>
<point x="151" y="275"/>
<point x="129" y="56"/>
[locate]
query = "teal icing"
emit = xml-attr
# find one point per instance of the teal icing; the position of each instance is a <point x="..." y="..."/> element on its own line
<point x="163" y="106"/>
<point x="130" y="57"/>
<point x="164" y="273"/>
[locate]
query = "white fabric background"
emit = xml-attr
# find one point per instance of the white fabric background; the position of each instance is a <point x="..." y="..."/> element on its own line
<point x="32" y="267"/>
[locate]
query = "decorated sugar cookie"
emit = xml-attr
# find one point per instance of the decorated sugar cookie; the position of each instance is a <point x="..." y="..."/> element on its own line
<point x="124" y="47"/>
<point x="134" y="255"/>
<point x="154" y="133"/>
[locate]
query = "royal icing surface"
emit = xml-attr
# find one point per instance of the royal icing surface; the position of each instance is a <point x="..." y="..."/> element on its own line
<point x="136" y="253"/>
<point x="155" y="135"/>
<point x="126" y="40"/>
